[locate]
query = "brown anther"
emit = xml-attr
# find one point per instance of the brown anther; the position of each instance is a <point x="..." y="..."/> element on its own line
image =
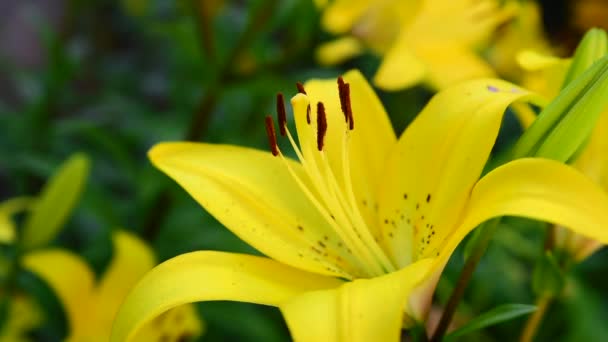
<point x="272" y="137"/>
<point x="281" y="114"/>
<point x="345" y="105"/>
<point x="341" y="85"/>
<point x="308" y="114"/>
<point x="300" y="87"/>
<point x="321" y="125"/>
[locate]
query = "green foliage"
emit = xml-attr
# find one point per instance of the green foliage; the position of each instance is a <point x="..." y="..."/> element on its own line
<point x="497" y="315"/>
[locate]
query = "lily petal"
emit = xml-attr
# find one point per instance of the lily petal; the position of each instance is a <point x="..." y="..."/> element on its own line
<point x="400" y="67"/>
<point x="540" y="189"/>
<point x="207" y="275"/>
<point x="338" y="50"/>
<point x="130" y="261"/>
<point x="72" y="281"/>
<point x="341" y="15"/>
<point x="370" y="141"/>
<point x="448" y="65"/>
<point x="593" y="162"/>
<point x="253" y="194"/>
<point x="361" y="310"/>
<point x="424" y="193"/>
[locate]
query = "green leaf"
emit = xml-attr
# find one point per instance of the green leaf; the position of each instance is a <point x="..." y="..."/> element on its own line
<point x="566" y="123"/>
<point x="592" y="47"/>
<point x="497" y="315"/>
<point x="55" y="202"/>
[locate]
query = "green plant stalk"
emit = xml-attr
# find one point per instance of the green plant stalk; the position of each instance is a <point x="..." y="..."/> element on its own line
<point x="536" y="318"/>
<point x="487" y="231"/>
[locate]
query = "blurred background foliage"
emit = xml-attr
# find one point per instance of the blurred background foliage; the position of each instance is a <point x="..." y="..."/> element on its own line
<point x="110" y="78"/>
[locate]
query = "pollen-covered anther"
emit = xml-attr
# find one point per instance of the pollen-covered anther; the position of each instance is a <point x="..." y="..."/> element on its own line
<point x="281" y="114"/>
<point x="272" y="136"/>
<point x="300" y="87"/>
<point x="345" y="104"/>
<point x="321" y="125"/>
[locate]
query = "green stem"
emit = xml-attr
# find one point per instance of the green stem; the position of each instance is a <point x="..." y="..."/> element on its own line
<point x="536" y="318"/>
<point x="477" y="252"/>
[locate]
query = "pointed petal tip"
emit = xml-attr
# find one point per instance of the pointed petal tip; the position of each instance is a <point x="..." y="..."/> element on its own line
<point x="163" y="150"/>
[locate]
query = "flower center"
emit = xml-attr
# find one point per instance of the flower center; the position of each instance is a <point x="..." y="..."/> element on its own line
<point x="328" y="185"/>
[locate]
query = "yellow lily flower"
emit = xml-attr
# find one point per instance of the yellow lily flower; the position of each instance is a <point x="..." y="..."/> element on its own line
<point x="524" y="32"/>
<point x="359" y="229"/>
<point x="430" y="41"/>
<point x="90" y="306"/>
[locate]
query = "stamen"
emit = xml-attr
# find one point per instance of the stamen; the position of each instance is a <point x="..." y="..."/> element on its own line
<point x="308" y="114"/>
<point x="272" y="137"/>
<point x="281" y="114"/>
<point x="344" y="95"/>
<point x="321" y="125"/>
<point x="300" y="87"/>
<point x="341" y="85"/>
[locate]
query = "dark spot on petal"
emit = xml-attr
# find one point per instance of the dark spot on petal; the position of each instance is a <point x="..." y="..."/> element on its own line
<point x="428" y="198"/>
<point x="300" y="228"/>
<point x="404" y="196"/>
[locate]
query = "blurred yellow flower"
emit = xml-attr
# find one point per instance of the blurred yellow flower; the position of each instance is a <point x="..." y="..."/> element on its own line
<point x="523" y="32"/>
<point x="429" y="41"/>
<point x="358" y="231"/>
<point x="90" y="306"/>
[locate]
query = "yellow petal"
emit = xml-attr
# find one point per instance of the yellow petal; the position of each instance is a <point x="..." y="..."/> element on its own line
<point x="400" y="67"/>
<point x="338" y="50"/>
<point x="532" y="61"/>
<point x="207" y="275"/>
<point x="524" y="114"/>
<point x="131" y="259"/>
<point x="178" y="324"/>
<point x="448" y="65"/>
<point x="252" y="194"/>
<point x="341" y="15"/>
<point x="438" y="46"/>
<point x="361" y="310"/>
<point x="540" y="189"/>
<point x="593" y="161"/>
<point x="437" y="161"/>
<point x="72" y="281"/>
<point x="370" y="141"/>
<point x="545" y="74"/>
